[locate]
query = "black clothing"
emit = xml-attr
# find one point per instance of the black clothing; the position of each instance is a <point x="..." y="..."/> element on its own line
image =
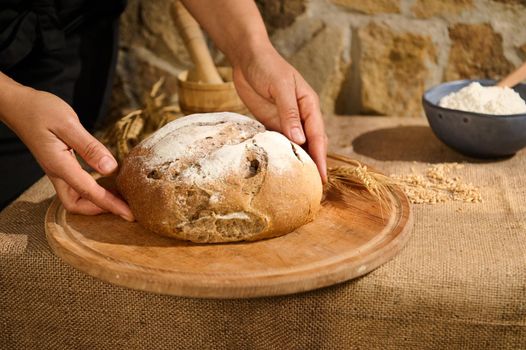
<point x="65" y="47"/>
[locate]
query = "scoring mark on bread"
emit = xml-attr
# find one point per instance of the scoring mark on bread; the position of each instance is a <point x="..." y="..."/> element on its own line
<point x="295" y="151"/>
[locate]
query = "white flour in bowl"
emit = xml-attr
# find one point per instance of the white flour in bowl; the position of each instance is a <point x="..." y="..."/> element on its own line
<point x="485" y="99"/>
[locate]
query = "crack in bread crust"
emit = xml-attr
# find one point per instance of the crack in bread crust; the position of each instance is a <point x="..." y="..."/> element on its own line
<point x="263" y="160"/>
<point x="213" y="227"/>
<point x="295" y="152"/>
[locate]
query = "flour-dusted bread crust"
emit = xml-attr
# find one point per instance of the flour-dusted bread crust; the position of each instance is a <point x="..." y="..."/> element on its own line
<point x="220" y="177"/>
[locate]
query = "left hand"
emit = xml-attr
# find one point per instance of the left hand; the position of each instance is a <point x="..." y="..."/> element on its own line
<point x="52" y="131"/>
<point x="278" y="96"/>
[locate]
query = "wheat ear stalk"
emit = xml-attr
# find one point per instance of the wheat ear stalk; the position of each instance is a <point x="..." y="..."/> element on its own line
<point x="355" y="179"/>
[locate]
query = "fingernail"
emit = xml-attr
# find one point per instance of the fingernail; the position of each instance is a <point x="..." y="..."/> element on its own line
<point x="107" y="164"/>
<point x="127" y="218"/>
<point x="297" y="136"/>
<point x="323" y="177"/>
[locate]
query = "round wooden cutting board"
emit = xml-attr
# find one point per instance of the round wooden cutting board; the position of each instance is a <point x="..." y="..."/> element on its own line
<point x="343" y="242"/>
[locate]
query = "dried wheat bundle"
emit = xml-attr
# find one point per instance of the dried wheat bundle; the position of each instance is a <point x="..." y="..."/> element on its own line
<point x="355" y="179"/>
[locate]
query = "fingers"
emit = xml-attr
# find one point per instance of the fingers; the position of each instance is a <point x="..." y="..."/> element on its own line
<point x="69" y="170"/>
<point x="318" y="152"/>
<point x="299" y="115"/>
<point x="72" y="201"/>
<point x="89" y="148"/>
<point x="284" y="95"/>
<point x="314" y="128"/>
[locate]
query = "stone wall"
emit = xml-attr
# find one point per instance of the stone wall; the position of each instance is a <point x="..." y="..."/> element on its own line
<point x="398" y="48"/>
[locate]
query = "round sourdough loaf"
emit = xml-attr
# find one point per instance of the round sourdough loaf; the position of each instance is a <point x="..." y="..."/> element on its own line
<point x="220" y="177"/>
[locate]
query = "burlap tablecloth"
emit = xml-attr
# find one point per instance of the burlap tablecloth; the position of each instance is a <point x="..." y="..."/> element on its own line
<point x="459" y="283"/>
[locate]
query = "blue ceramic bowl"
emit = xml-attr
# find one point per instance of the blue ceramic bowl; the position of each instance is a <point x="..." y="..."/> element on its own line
<point x="475" y="134"/>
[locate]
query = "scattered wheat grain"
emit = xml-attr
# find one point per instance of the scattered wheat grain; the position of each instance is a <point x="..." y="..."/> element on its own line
<point x="438" y="185"/>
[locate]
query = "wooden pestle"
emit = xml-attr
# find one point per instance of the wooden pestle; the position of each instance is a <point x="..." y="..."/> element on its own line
<point x="205" y="71"/>
<point x="514" y="78"/>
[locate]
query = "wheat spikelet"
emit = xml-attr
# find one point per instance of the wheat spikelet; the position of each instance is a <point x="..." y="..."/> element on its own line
<point x="129" y="130"/>
<point x="355" y="179"/>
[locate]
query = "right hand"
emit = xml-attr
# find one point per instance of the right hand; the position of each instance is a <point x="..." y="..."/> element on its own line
<point x="279" y="97"/>
<point x="52" y="131"/>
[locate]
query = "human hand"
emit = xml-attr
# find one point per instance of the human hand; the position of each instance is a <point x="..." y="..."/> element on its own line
<point x="52" y="131"/>
<point x="278" y="96"/>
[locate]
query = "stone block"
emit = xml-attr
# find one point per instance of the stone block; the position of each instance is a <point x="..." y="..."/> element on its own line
<point x="393" y="69"/>
<point x="321" y="64"/>
<point x="280" y="13"/>
<point x="370" y="7"/>
<point x="476" y="52"/>
<point x="444" y="8"/>
<point x="289" y="40"/>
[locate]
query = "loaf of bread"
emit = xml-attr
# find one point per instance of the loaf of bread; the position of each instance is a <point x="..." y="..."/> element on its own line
<point x="220" y="177"/>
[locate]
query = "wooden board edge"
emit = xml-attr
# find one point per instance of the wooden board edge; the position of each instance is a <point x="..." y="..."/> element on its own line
<point x="302" y="282"/>
<point x="278" y="287"/>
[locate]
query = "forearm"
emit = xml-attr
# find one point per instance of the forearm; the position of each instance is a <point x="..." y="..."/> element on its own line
<point x="8" y="96"/>
<point x="235" y="26"/>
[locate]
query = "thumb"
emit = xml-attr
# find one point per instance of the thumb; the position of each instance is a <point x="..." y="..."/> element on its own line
<point x="90" y="149"/>
<point x="289" y="115"/>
